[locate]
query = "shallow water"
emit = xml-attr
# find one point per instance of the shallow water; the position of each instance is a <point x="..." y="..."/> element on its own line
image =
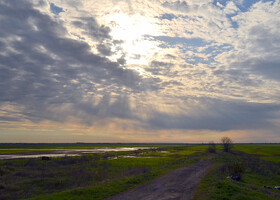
<point x="65" y="152"/>
<point x="18" y="156"/>
<point x="117" y="157"/>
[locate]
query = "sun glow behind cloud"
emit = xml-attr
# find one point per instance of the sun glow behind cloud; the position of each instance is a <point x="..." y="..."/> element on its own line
<point x="147" y="70"/>
<point x="132" y="31"/>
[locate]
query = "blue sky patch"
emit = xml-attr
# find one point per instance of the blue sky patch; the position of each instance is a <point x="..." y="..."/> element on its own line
<point x="168" y="16"/>
<point x="244" y="7"/>
<point x="179" y="40"/>
<point x="55" y="9"/>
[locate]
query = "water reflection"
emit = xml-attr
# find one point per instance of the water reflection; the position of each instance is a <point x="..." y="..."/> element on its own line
<point x="116" y="157"/>
<point x="18" y="156"/>
<point x="65" y="152"/>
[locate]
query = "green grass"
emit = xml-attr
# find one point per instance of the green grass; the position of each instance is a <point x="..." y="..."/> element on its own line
<point x="99" y="176"/>
<point x="100" y="191"/>
<point x="91" y="176"/>
<point x="261" y="149"/>
<point x="177" y="151"/>
<point x="255" y="175"/>
<point x="268" y="152"/>
<point x="107" y="189"/>
<point x="140" y="162"/>
<point x="272" y="159"/>
<point x="16" y="151"/>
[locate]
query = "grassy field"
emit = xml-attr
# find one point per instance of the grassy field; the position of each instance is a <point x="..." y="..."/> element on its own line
<point x="93" y="176"/>
<point x="269" y="152"/>
<point x="17" y="151"/>
<point x="251" y="163"/>
<point x="97" y="176"/>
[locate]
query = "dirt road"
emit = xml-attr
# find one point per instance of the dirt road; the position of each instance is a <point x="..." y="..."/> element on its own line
<point x="178" y="184"/>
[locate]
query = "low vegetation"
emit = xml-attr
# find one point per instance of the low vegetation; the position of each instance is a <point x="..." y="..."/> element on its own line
<point x="248" y="171"/>
<point x="93" y="176"/>
<point x="212" y="147"/>
<point x="238" y="175"/>
<point x="268" y="152"/>
<point x="17" y="151"/>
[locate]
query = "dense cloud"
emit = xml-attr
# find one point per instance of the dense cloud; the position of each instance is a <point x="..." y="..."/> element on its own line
<point x="44" y="70"/>
<point x="91" y="28"/>
<point x="160" y="68"/>
<point x="220" y="116"/>
<point x="190" y="65"/>
<point x="262" y="49"/>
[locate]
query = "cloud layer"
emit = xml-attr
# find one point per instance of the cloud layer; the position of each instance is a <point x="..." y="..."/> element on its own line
<point x="141" y="66"/>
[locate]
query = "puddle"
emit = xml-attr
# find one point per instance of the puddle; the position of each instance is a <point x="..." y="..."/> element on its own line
<point x="17" y="156"/>
<point x="65" y="152"/>
<point x="116" y="157"/>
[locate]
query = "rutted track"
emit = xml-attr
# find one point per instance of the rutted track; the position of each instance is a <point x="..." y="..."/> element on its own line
<point x="178" y="184"/>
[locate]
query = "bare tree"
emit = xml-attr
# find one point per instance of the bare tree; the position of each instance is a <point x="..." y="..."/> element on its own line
<point x="227" y="142"/>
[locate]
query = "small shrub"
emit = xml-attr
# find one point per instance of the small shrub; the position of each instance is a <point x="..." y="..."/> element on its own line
<point x="237" y="169"/>
<point x="1" y="172"/>
<point x="234" y="170"/>
<point x="212" y="147"/>
<point x="2" y="186"/>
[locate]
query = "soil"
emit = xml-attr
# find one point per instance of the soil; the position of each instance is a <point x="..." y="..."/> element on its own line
<point x="179" y="184"/>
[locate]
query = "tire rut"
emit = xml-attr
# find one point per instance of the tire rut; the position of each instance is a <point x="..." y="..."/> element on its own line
<point x="179" y="184"/>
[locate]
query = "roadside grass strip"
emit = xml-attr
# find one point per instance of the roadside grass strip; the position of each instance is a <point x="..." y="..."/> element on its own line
<point x="258" y="179"/>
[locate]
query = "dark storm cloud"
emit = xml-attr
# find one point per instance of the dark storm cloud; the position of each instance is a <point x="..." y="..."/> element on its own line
<point x="220" y="116"/>
<point x="51" y="76"/>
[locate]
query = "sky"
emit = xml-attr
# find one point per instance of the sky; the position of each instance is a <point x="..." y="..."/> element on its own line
<point x="139" y="70"/>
